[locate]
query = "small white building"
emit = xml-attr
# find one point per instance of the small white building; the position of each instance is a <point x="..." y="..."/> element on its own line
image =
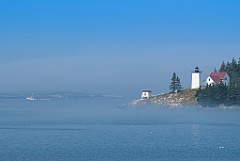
<point x="146" y="94"/>
<point x="196" y="79"/>
<point x="218" y="77"/>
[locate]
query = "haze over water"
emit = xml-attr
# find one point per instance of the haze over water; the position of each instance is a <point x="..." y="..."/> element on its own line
<point x="97" y="128"/>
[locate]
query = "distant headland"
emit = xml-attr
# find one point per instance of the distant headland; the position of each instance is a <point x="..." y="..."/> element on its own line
<point x="220" y="89"/>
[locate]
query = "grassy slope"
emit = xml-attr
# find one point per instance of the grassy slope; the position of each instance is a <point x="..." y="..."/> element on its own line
<point x="185" y="97"/>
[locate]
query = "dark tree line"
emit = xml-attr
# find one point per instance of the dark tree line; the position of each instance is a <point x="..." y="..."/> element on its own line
<point x="222" y="94"/>
<point x="232" y="68"/>
<point x="175" y="85"/>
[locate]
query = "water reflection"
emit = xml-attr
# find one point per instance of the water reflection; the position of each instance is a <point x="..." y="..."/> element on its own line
<point x="195" y="135"/>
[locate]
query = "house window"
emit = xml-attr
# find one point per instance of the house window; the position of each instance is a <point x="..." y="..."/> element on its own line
<point x="225" y="78"/>
<point x="209" y="79"/>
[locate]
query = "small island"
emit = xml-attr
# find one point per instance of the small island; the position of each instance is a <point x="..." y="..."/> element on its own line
<point x="221" y="89"/>
<point x="183" y="98"/>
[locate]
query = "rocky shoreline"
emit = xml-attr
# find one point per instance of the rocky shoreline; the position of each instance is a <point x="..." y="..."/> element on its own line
<point x="184" y="98"/>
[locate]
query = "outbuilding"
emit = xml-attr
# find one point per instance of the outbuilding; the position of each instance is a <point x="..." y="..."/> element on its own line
<point x="146" y="94"/>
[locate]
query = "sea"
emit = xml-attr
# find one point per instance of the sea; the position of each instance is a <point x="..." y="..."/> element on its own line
<point x="100" y="127"/>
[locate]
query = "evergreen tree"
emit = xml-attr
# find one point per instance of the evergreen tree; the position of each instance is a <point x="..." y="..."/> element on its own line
<point x="202" y="96"/>
<point x="238" y="69"/>
<point x="173" y="83"/>
<point x="222" y="90"/>
<point x="178" y="84"/>
<point x="223" y="67"/>
<point x="233" y="69"/>
<point x="233" y="97"/>
<point x="219" y="94"/>
<point x="213" y="96"/>
<point x="238" y="95"/>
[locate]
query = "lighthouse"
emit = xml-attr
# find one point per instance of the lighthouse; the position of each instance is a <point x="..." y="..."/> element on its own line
<point x="196" y="79"/>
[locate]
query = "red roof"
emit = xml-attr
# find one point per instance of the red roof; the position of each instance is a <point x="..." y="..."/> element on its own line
<point x="217" y="76"/>
<point x="146" y="91"/>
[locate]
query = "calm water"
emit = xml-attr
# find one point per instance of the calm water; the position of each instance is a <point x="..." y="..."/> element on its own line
<point x="97" y="129"/>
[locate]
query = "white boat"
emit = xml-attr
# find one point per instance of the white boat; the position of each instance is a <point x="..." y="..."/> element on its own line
<point x="31" y="98"/>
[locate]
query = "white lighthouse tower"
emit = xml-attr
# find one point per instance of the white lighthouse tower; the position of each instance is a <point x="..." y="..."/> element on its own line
<point x="196" y="79"/>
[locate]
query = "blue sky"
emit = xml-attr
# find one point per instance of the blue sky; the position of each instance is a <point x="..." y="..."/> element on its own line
<point x="113" y="46"/>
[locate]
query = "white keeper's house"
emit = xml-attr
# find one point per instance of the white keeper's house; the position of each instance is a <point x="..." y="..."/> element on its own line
<point x="218" y="77"/>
